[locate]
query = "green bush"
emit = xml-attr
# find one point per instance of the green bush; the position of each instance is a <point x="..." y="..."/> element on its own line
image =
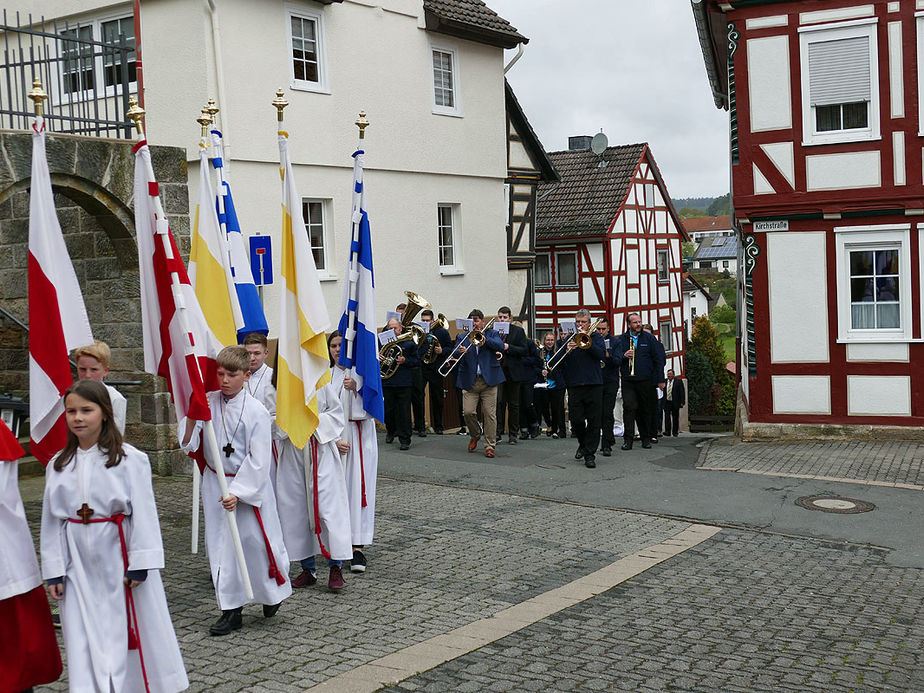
<point x="723" y="314"/>
<point x="699" y="384"/>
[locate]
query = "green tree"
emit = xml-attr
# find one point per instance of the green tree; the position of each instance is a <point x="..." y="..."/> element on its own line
<point x="688" y="248"/>
<point x="720" y="206"/>
<point x="705" y="343"/>
<point x="723" y="314"/>
<point x="699" y="384"/>
<point x="690" y="213"/>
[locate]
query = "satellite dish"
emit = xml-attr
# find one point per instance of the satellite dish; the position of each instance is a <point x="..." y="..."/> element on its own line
<point x="598" y="143"/>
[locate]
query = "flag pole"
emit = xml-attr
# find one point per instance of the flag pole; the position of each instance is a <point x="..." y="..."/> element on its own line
<point x="136" y="114"/>
<point x="349" y="338"/>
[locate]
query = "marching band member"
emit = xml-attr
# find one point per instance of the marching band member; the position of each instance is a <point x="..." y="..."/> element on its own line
<point x="550" y="400"/>
<point x="432" y="378"/>
<point x="642" y="364"/>
<point x="585" y="389"/>
<point x="398" y="391"/>
<point x="478" y="377"/>
<point x="417" y="389"/>
<point x="515" y="372"/>
<point x="529" y="417"/>
<point x="657" y="411"/>
<point x="610" y="387"/>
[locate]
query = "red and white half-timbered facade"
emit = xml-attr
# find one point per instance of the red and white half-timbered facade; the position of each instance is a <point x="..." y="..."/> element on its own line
<point x="827" y="130"/>
<point x="608" y="240"/>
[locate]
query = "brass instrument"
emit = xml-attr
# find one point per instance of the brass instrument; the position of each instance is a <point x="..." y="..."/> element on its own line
<point x="579" y="340"/>
<point x="476" y="338"/>
<point x="632" y="346"/>
<point x="389" y="354"/>
<point x="431" y="341"/>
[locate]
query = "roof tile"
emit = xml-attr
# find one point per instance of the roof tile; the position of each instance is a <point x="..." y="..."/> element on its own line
<point x="474" y="13"/>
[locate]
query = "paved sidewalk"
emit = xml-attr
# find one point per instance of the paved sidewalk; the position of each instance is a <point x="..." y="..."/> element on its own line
<point x="883" y="463"/>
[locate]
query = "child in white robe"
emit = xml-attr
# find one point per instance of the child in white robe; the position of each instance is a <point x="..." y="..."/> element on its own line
<point x="102" y="555"/>
<point x="242" y="427"/>
<point x="359" y="451"/>
<point x="93" y="363"/>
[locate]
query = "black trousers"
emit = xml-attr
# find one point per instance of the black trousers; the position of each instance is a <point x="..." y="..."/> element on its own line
<point x="607" y="421"/>
<point x="637" y="407"/>
<point x="671" y="419"/>
<point x="398" y="412"/>
<point x="528" y="416"/>
<point x="435" y="381"/>
<point x="508" y="401"/>
<point x="585" y="403"/>
<point x="417" y="400"/>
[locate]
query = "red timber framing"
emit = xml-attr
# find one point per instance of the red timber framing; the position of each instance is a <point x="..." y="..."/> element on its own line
<point x="616" y="250"/>
<point x="806" y="205"/>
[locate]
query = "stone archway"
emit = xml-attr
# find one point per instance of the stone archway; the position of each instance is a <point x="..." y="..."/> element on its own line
<point x="93" y="184"/>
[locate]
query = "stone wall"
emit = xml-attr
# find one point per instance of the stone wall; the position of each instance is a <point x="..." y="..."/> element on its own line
<point x="93" y="183"/>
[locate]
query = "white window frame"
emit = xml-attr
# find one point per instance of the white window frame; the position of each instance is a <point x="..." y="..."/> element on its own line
<point x="666" y="253"/>
<point x="322" y="86"/>
<point x="669" y="346"/>
<point x="455" y="219"/>
<point x="877" y="237"/>
<point x="577" y="270"/>
<point x="547" y="258"/>
<point x="326" y="251"/>
<point x="919" y="24"/>
<point x="95" y="24"/>
<point x="834" y="32"/>
<point x="456" y="109"/>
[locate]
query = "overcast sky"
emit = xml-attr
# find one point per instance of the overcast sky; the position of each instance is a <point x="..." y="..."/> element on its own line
<point x="633" y="69"/>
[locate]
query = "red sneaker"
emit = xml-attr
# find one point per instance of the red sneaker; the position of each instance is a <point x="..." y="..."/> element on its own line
<point x="335" y="582"/>
<point x="305" y="579"/>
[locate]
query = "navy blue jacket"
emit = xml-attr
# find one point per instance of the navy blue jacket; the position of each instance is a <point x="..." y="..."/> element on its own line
<point x="514" y="363"/>
<point x="582" y="366"/>
<point x="445" y="340"/>
<point x="649" y="358"/>
<point x="404" y="376"/>
<point x="611" y="363"/>
<point x="532" y="364"/>
<point x="491" y="369"/>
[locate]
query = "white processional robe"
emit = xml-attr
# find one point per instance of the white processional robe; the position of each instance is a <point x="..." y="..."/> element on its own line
<point x="89" y="557"/>
<point x="119" y="406"/>
<point x="246" y="423"/>
<point x="300" y="499"/>
<point x="361" y="463"/>
<point x="19" y="571"/>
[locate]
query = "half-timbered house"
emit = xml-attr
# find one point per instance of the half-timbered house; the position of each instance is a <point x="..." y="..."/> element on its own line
<point x="825" y="103"/>
<point x="608" y="239"/>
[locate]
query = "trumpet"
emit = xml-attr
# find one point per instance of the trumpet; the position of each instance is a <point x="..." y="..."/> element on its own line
<point x="632" y="346"/>
<point x="579" y="340"/>
<point x="431" y="341"/>
<point x="475" y="338"/>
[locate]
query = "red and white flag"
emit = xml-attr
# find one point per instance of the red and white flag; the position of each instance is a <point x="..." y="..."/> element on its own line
<point x="178" y="344"/>
<point x="58" y="319"/>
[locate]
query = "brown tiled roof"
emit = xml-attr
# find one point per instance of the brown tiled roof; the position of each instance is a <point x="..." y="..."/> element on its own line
<point x="588" y="197"/>
<point x="473" y="20"/>
<point x="697" y="224"/>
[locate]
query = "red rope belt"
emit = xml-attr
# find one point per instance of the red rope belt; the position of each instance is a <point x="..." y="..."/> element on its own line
<point x="274" y="571"/>
<point x="134" y="640"/>
<point x="362" y="466"/>
<point x="317" y="511"/>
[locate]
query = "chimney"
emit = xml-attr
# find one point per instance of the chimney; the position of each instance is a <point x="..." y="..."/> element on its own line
<point x="579" y="143"/>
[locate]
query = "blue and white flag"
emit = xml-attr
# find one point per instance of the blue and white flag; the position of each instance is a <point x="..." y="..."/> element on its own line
<point x="360" y="348"/>
<point x="247" y="295"/>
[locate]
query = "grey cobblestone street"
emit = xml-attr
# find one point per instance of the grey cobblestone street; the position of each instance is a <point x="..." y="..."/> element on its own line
<point x="744" y="610"/>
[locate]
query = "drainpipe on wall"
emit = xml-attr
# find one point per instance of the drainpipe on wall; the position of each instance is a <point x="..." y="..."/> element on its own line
<point x="220" y="82"/>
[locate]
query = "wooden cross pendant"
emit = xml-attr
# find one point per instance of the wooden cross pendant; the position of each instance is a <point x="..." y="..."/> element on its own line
<point x="228" y="450"/>
<point x="85" y="512"/>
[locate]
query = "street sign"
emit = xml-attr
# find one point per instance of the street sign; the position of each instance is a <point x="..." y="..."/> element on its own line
<point x="261" y="260"/>
<point x="777" y="225"/>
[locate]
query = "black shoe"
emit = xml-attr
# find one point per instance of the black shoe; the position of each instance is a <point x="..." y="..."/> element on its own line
<point x="512" y="440"/>
<point x="437" y="431"/>
<point x="646" y="444"/>
<point x="606" y="452"/>
<point x="627" y="445"/>
<point x="534" y="431"/>
<point x="230" y="620"/>
<point x="389" y="438"/>
<point x="269" y="610"/>
<point x="654" y="440"/>
<point x="421" y="433"/>
<point x="524" y="434"/>
<point x="579" y="455"/>
<point x="358" y="564"/>
<point x="590" y="461"/>
<point x="405" y="446"/>
<point x="462" y="432"/>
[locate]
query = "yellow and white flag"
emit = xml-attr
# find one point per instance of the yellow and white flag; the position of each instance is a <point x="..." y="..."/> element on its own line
<point x="209" y="264"/>
<point x="303" y="364"/>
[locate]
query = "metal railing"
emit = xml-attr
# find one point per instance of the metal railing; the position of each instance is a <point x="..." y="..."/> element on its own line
<point x="88" y="81"/>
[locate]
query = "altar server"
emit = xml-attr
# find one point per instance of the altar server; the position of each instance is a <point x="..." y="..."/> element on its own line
<point x="93" y="363"/>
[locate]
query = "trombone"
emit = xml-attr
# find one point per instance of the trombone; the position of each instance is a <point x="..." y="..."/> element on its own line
<point x="579" y="340"/>
<point x="475" y="337"/>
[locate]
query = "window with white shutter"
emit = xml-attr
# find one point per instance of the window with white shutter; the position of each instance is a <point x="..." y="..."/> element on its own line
<point x="840" y="88"/>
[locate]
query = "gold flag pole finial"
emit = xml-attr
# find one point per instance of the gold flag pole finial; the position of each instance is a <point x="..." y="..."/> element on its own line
<point x="205" y="119"/>
<point x="136" y="114"/>
<point x="211" y="108"/>
<point x="362" y="124"/>
<point x="37" y="95"/>
<point x="280" y="103"/>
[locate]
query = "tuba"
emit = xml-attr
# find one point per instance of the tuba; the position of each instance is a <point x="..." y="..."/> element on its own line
<point x="390" y="352"/>
<point x="431" y="341"/>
